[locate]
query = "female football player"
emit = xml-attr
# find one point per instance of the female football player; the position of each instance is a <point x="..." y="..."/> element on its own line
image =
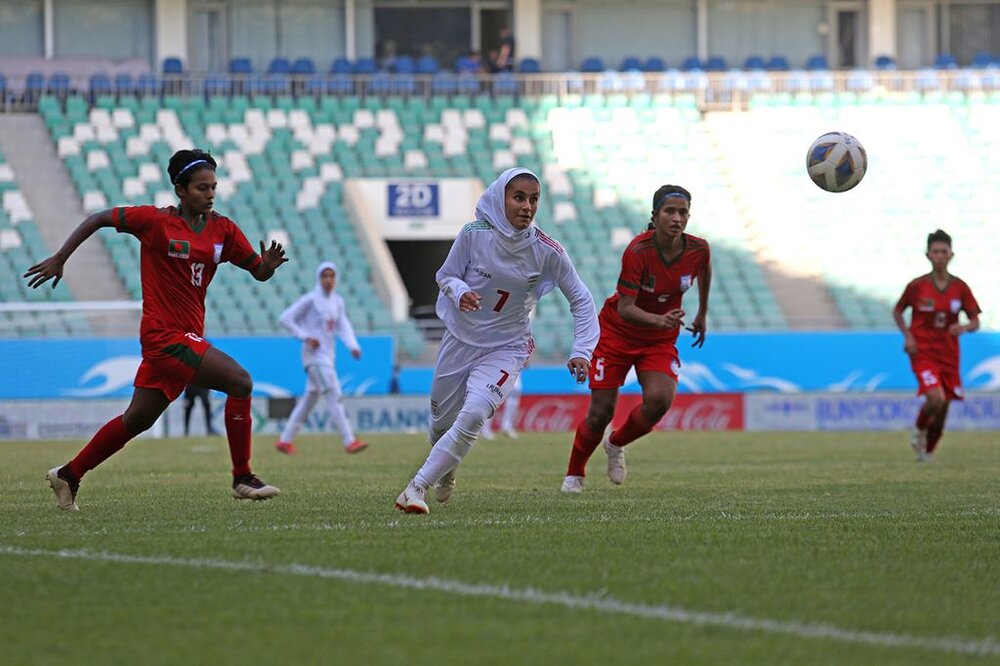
<point x="497" y="269"/>
<point x="181" y="248"/>
<point x="931" y="340"/>
<point x="315" y="319"/>
<point x="640" y="323"/>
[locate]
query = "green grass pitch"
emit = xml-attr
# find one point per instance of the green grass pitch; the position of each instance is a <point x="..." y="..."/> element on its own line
<point x="736" y="548"/>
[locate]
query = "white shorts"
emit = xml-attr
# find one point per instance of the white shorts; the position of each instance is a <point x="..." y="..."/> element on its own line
<point x="322" y="379"/>
<point x="461" y="369"/>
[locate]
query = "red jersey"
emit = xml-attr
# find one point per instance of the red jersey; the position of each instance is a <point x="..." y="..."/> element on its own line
<point x="658" y="285"/>
<point x="934" y="310"/>
<point x="178" y="261"/>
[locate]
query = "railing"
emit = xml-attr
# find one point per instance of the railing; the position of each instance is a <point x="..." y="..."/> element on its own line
<point x="709" y="90"/>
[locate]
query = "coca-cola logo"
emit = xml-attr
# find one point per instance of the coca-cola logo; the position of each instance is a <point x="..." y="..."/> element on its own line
<point x="705" y="414"/>
<point x="552" y="415"/>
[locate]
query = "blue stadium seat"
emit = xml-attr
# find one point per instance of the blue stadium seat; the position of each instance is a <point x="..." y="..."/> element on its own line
<point x="428" y="65"/>
<point x="692" y="63"/>
<point x="217" y="84"/>
<point x="341" y="65"/>
<point x="3" y="88"/>
<point x="817" y="62"/>
<point x="610" y="81"/>
<point x="885" y="62"/>
<point x="778" y="63"/>
<point x="468" y="84"/>
<point x="240" y="66"/>
<point x="404" y="65"/>
<point x="173" y="66"/>
<point x="444" y="83"/>
<point x="100" y="84"/>
<point x="530" y="66"/>
<point x="379" y="84"/>
<point x="504" y="84"/>
<point x="337" y="84"/>
<point x="147" y="84"/>
<point x="303" y="66"/>
<point x="754" y="62"/>
<point x="466" y="65"/>
<point x="716" y="64"/>
<point x="982" y="60"/>
<point x="592" y="64"/>
<point x="945" y="61"/>
<point x="365" y="66"/>
<point x="59" y="84"/>
<point x="630" y="63"/>
<point x="279" y="65"/>
<point x="654" y="64"/>
<point x="124" y="84"/>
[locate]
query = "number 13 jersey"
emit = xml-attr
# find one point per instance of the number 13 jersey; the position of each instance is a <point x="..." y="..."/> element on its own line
<point x="177" y="262"/>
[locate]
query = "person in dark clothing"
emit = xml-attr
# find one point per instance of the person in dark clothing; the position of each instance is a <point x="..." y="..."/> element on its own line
<point x="192" y="393"/>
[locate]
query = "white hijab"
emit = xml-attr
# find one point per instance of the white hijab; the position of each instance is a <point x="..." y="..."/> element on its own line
<point x="322" y="301"/>
<point x="491" y="208"/>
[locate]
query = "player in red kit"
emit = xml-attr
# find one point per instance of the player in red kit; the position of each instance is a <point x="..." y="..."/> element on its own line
<point x="931" y="340"/>
<point x="640" y="323"/>
<point x="181" y="248"/>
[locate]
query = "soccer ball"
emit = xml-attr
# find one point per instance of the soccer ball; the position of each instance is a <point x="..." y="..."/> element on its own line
<point x="836" y="161"/>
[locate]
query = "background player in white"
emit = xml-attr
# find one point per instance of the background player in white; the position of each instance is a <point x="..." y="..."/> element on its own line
<point x="315" y="319"/>
<point x="497" y="269"/>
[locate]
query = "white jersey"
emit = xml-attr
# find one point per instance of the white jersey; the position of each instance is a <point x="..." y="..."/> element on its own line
<point x="322" y="320"/>
<point x="510" y="284"/>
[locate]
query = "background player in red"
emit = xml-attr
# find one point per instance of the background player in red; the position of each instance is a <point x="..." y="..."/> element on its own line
<point x="639" y="327"/>
<point x="180" y="250"/>
<point x="931" y="340"/>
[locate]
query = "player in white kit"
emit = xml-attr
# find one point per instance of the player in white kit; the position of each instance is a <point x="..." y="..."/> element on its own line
<point x="315" y="319"/>
<point x="497" y="269"/>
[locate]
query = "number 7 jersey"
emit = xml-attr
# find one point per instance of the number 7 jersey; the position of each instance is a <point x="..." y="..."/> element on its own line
<point x="178" y="261"/>
<point x="510" y="284"/>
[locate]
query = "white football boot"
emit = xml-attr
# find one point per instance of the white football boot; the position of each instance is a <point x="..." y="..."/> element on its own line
<point x="443" y="488"/>
<point x="616" y="460"/>
<point x="918" y="442"/>
<point x="572" y="484"/>
<point x="411" y="500"/>
<point x="65" y="489"/>
<point x="248" y="486"/>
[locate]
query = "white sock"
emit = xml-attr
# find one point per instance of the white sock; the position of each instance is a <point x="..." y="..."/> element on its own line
<point x="439" y="462"/>
<point x="298" y="416"/>
<point x="340" y="420"/>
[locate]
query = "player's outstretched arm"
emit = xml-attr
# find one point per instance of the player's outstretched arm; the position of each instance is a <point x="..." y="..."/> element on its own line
<point x="270" y="259"/>
<point x="52" y="267"/>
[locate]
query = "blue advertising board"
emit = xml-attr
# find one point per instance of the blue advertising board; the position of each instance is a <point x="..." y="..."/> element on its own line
<point x="105" y="367"/>
<point x="414" y="200"/>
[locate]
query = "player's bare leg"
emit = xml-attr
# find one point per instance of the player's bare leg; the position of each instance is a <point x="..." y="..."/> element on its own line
<point x="220" y="372"/>
<point x="935" y="431"/>
<point x="589" y="434"/>
<point x="933" y="411"/>
<point x="658" y="391"/>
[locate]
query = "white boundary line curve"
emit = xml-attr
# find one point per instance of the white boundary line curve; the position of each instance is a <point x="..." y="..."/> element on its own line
<point x="595" y="602"/>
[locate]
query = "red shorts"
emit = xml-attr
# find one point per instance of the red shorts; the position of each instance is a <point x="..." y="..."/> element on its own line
<point x="615" y="356"/>
<point x="931" y="375"/>
<point x="169" y="361"/>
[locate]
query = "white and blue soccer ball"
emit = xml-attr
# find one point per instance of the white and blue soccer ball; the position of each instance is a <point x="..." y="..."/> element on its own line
<point x="836" y="161"/>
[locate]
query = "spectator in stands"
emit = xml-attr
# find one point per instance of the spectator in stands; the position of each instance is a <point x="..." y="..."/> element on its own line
<point x="317" y="319"/>
<point x="181" y="249"/>
<point x="931" y="340"/>
<point x="499" y="266"/>
<point x="193" y="393"/>
<point x="394" y="387"/>
<point x="470" y="64"/>
<point x="503" y="61"/>
<point x="640" y="323"/>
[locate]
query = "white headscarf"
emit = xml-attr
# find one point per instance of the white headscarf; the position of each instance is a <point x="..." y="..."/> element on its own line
<point x="491" y="208"/>
<point x="322" y="300"/>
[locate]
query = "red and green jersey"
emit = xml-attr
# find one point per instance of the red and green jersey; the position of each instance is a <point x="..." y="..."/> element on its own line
<point x="178" y="261"/>
<point x="657" y="285"/>
<point x="934" y="311"/>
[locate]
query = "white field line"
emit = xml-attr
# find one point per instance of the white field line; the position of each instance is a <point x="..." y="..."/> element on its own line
<point x="594" y="602"/>
<point x="519" y="520"/>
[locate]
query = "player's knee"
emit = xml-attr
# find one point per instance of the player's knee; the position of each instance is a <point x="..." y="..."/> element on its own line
<point x="241" y="385"/>
<point x="935" y="401"/>
<point x="599" y="416"/>
<point x="136" y="422"/>
<point x="655" y="406"/>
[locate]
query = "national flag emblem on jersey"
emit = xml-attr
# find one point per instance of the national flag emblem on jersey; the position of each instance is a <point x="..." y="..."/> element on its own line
<point x="956" y="305"/>
<point x="685" y="283"/>
<point x="649" y="283"/>
<point x="218" y="252"/>
<point x="179" y="249"/>
<point x="926" y="305"/>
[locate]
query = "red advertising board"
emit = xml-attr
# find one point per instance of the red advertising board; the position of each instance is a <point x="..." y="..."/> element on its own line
<point x="690" y="411"/>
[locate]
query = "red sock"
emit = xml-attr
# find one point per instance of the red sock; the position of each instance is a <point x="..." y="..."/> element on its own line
<point x="239" y="428"/>
<point x="933" y="437"/>
<point x="923" y="420"/>
<point x="108" y="441"/>
<point x="584" y="443"/>
<point x="636" y="425"/>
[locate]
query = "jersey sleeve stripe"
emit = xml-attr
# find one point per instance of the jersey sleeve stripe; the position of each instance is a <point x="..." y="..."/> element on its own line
<point x="121" y="219"/>
<point x="249" y="261"/>
<point x="628" y="285"/>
